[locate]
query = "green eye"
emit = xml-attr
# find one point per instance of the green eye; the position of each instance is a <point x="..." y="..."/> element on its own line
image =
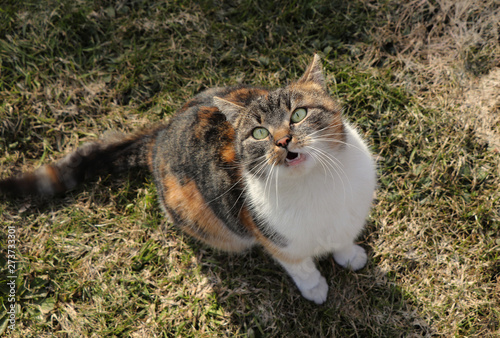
<point x="298" y="115"/>
<point x="260" y="133"/>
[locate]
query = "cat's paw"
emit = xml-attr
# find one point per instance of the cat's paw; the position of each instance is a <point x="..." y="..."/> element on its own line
<point x="353" y="258"/>
<point x="308" y="279"/>
<point x="317" y="293"/>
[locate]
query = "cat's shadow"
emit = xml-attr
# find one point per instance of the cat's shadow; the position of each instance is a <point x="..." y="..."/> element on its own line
<point x="264" y="301"/>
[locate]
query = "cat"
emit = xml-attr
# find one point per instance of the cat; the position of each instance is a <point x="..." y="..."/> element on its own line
<point x="242" y="166"/>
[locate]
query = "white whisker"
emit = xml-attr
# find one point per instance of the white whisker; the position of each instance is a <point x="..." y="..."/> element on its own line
<point x="318" y="158"/>
<point x="267" y="181"/>
<point x="338" y="141"/>
<point x="276" y="183"/>
<point x="336" y="165"/>
<point x="329" y="164"/>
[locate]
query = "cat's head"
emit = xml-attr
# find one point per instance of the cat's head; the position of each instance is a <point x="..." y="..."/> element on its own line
<point x="295" y="129"/>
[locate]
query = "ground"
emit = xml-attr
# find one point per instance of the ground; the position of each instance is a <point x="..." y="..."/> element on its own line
<point x="421" y="82"/>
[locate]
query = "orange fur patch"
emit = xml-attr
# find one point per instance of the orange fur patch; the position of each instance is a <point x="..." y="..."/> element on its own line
<point x="228" y="154"/>
<point x="205" y="115"/>
<point x="247" y="220"/>
<point x="200" y="221"/>
<point x="53" y="175"/>
<point x="240" y="96"/>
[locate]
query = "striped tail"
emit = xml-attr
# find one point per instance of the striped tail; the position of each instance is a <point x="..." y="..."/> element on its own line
<point x="109" y="155"/>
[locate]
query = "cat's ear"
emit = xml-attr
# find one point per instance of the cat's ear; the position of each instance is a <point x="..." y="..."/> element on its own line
<point x="314" y="73"/>
<point x="228" y="108"/>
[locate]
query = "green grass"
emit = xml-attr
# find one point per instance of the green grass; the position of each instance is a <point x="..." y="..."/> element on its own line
<point x="101" y="261"/>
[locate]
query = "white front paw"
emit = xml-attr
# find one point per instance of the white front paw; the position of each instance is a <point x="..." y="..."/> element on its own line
<point x="353" y="258"/>
<point x="317" y="293"/>
<point x="308" y="279"/>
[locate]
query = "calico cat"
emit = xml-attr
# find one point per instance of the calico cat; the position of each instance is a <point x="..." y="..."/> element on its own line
<point x="242" y="166"/>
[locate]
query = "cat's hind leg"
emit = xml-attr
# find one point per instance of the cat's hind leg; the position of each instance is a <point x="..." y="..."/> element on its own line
<point x="352" y="257"/>
<point x="308" y="279"/>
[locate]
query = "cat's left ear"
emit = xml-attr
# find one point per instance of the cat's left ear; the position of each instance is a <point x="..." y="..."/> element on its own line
<point x="228" y="108"/>
<point x="314" y="73"/>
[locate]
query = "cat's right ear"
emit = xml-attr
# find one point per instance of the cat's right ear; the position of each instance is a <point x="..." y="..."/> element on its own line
<point x="228" y="108"/>
<point x="314" y="73"/>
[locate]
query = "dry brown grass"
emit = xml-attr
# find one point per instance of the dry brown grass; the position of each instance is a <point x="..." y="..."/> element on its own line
<point x="448" y="53"/>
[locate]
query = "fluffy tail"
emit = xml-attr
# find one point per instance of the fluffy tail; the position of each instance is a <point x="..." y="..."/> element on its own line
<point x="109" y="155"/>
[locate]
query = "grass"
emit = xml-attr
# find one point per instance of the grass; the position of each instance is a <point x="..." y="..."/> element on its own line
<point x="101" y="261"/>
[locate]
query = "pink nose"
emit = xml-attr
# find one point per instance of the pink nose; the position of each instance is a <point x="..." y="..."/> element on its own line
<point x="283" y="142"/>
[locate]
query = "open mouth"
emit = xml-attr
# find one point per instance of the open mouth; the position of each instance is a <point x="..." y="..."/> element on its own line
<point x="294" y="158"/>
<point x="290" y="156"/>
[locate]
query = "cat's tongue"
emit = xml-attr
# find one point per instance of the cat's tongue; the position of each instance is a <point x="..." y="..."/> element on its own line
<point x="294" y="158"/>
